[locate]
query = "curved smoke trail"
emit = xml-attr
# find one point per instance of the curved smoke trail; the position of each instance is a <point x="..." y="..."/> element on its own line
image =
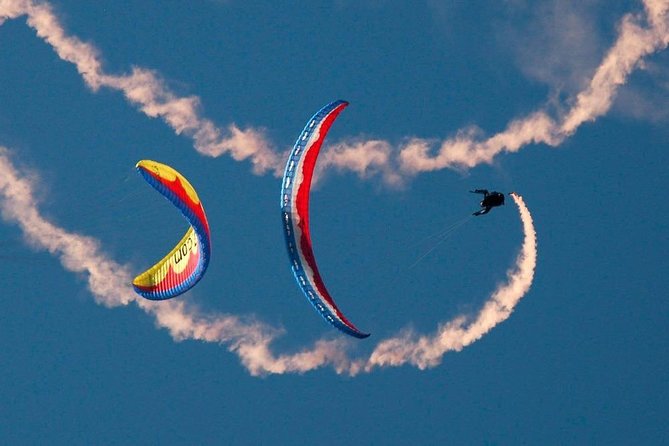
<point x="639" y="35"/>
<point x="109" y="282"/>
<point x="427" y="351"/>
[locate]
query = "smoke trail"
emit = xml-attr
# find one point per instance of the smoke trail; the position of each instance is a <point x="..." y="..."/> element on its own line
<point x="251" y="340"/>
<point x="108" y="281"/>
<point x="427" y="351"/>
<point x="634" y="42"/>
<point x="639" y="35"/>
<point x="145" y="88"/>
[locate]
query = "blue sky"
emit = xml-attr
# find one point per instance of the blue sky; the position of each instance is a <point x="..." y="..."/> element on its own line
<point x="581" y="360"/>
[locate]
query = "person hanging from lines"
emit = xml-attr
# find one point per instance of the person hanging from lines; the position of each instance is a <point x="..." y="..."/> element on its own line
<point x="490" y="200"/>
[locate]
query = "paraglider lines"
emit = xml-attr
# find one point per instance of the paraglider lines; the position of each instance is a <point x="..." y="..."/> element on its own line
<point x="441" y="237"/>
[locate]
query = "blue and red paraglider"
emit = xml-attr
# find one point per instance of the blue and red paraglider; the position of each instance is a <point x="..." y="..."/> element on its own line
<point x="295" y="215"/>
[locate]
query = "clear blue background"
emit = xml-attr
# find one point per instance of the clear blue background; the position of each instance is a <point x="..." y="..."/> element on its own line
<point x="583" y="358"/>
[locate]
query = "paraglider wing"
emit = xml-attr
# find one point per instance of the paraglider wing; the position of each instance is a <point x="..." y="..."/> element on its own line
<point x="186" y="263"/>
<point x="295" y="215"/>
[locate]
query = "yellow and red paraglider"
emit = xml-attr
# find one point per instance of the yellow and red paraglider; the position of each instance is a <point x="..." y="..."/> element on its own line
<point x="186" y="263"/>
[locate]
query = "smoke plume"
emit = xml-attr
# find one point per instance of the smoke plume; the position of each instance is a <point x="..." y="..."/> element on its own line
<point x="639" y="35"/>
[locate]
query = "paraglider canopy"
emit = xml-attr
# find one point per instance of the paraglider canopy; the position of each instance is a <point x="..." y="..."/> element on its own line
<point x="186" y="263"/>
<point x="295" y="215"/>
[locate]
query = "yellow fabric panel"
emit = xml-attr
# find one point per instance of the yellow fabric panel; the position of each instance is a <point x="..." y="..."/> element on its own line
<point x="169" y="174"/>
<point x="175" y="259"/>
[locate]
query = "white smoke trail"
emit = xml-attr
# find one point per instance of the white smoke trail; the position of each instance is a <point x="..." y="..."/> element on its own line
<point x="145" y="88"/>
<point x="107" y="280"/>
<point x="639" y="36"/>
<point x="427" y="351"/>
<point x="109" y="283"/>
<point x="465" y="150"/>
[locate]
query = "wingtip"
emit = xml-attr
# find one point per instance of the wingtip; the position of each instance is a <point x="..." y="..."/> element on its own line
<point x="144" y="164"/>
<point x="353" y="331"/>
